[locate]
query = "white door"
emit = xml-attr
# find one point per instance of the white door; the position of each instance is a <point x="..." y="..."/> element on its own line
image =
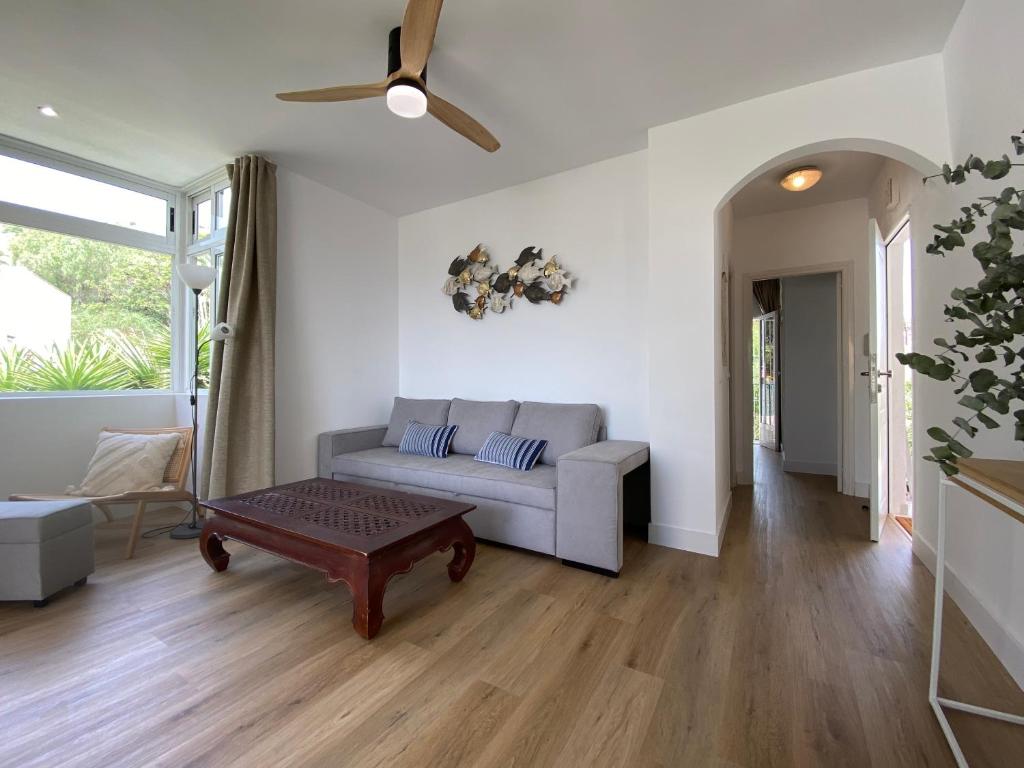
<point x="769" y="381"/>
<point x="878" y="384"/>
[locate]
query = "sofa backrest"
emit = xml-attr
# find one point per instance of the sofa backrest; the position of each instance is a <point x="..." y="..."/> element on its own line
<point x="566" y="426"/>
<point x="424" y="411"/>
<point x="476" y="420"/>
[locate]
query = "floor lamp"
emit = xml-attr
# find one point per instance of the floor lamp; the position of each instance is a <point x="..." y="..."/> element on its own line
<point x="198" y="278"/>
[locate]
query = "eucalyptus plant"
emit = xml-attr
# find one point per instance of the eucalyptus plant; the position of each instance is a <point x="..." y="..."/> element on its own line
<point x="990" y="315"/>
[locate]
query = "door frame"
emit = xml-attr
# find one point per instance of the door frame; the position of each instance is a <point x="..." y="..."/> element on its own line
<point x="845" y="385"/>
<point x="776" y="391"/>
<point x="903" y="223"/>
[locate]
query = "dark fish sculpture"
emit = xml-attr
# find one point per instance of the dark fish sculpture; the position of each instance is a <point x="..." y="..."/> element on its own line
<point x="527" y="255"/>
<point x="457" y="266"/>
<point x="502" y="284"/>
<point x="535" y="293"/>
<point x="461" y="302"/>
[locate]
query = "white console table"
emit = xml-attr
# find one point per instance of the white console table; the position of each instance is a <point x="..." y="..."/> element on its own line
<point x="1001" y="484"/>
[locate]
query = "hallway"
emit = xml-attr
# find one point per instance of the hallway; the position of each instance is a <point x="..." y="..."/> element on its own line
<point x="837" y="670"/>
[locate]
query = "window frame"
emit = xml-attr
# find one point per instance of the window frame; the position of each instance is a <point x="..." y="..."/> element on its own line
<point x="73" y="226"/>
<point x="12" y="213"/>
<point x="204" y="188"/>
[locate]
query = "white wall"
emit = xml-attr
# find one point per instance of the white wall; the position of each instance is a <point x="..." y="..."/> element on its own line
<point x="591" y="348"/>
<point x="693" y="166"/>
<point x="805" y="239"/>
<point x="809" y="360"/>
<point x="986" y="548"/>
<point x="46" y="442"/>
<point x="337" y="318"/>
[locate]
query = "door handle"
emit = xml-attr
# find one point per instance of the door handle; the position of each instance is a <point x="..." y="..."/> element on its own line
<point x="885" y="373"/>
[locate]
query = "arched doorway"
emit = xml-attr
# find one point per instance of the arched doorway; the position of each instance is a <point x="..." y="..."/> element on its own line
<point x="836" y="245"/>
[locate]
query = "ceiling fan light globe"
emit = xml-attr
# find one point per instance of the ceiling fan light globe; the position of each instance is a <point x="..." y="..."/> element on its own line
<point x="406" y="99"/>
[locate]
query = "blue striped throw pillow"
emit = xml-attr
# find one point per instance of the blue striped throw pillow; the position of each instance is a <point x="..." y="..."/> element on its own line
<point x="426" y="439"/>
<point x="512" y="452"/>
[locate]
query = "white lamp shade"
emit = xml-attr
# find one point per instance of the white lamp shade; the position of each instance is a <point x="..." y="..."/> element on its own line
<point x="196" y="276"/>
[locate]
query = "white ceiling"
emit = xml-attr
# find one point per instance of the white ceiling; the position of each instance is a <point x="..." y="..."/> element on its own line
<point x="845" y="176"/>
<point x="170" y="90"/>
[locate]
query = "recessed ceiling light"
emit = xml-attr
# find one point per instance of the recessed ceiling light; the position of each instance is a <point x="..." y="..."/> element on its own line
<point x="800" y="179"/>
<point x="47" y="110"/>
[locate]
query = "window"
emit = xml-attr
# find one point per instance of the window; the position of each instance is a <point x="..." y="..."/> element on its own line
<point x="86" y="277"/>
<point x="48" y="189"/>
<point x="209" y="202"/>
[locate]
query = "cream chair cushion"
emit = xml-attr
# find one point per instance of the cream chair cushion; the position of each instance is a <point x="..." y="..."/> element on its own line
<point x="127" y="463"/>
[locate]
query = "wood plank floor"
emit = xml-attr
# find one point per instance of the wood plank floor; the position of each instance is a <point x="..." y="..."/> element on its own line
<point x="803" y="645"/>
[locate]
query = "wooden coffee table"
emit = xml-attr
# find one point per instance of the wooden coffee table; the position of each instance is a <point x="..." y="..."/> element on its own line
<point x="357" y="534"/>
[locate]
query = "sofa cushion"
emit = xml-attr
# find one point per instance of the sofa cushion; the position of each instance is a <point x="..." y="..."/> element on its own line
<point x="565" y="426"/>
<point x="455" y="474"/>
<point x="404" y="410"/>
<point x="476" y="420"/>
<point x="424" y="440"/>
<point x="29" y="521"/>
<point x="520" y="453"/>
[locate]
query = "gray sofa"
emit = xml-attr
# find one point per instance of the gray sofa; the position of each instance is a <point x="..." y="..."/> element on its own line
<point x="569" y="505"/>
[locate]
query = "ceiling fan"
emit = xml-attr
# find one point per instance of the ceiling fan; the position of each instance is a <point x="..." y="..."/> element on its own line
<point x="406" y="85"/>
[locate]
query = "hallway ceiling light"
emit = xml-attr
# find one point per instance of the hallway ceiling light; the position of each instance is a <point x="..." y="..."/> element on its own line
<point x="800" y="179"/>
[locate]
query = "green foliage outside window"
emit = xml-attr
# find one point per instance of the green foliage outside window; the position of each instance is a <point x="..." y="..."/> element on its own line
<point x="120" y="315"/>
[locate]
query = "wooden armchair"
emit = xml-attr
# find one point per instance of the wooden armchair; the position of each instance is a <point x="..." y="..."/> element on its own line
<point x="175" y="475"/>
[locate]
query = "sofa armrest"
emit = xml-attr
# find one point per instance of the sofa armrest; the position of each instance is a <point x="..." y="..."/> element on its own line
<point x="588" y="514"/>
<point x="331" y="444"/>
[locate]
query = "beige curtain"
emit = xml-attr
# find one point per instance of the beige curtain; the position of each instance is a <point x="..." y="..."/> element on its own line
<point x="239" y="439"/>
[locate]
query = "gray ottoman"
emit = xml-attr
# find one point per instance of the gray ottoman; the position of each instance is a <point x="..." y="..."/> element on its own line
<point x="45" y="546"/>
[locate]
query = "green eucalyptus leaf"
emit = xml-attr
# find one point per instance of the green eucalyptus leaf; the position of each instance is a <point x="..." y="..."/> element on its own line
<point x="968" y="401"/>
<point x="983" y="379"/>
<point x="986" y="355"/>
<point x="966" y="426"/>
<point x="988" y="421"/>
<point x="960" y="449"/>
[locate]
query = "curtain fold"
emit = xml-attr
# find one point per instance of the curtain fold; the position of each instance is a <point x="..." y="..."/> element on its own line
<point x="766" y="296"/>
<point x="239" y="434"/>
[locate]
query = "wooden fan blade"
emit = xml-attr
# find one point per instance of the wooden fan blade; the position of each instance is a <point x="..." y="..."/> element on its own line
<point x="418" y="29"/>
<point x="337" y="93"/>
<point x="460" y="122"/>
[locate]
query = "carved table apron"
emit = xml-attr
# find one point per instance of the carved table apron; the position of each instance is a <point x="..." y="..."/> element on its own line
<point x="353" y="533"/>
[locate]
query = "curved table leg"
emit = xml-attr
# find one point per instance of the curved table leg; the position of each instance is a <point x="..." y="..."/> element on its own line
<point x="212" y="547"/>
<point x="464" y="546"/>
<point x="368" y="599"/>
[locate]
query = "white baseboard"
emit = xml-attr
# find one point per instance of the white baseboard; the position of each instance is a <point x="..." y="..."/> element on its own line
<point x="1007" y="648"/>
<point x="808" y="467"/>
<point x="723" y="522"/>
<point x="701" y="542"/>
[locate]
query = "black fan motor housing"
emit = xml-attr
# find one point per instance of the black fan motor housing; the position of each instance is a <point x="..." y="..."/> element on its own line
<point x="395" y="53"/>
